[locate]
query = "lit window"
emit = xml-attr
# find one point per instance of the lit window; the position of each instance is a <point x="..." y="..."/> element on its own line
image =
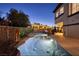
<point x="77" y="6"/>
<point x="60" y="11"/>
<point x="56" y="14"/>
<point x="73" y="8"/>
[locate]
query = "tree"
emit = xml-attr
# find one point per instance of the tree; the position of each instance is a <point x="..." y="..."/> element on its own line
<point x="18" y="18"/>
<point x="1" y="19"/>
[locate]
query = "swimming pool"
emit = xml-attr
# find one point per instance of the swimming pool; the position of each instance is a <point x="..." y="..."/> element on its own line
<point x="42" y="45"/>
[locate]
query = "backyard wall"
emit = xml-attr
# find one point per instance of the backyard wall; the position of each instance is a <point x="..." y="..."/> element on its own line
<point x="8" y="33"/>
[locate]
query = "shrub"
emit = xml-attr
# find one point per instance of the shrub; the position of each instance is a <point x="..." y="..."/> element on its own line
<point x="22" y="33"/>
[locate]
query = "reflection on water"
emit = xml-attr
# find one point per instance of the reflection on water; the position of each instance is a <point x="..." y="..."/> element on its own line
<point x="41" y="45"/>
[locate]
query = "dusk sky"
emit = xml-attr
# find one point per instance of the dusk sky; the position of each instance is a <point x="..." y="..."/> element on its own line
<point x="38" y="12"/>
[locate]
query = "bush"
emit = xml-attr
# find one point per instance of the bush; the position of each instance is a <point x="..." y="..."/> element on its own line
<point x="30" y="30"/>
<point x="24" y="32"/>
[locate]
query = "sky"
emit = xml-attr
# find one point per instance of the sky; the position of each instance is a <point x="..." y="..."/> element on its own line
<point x="38" y="12"/>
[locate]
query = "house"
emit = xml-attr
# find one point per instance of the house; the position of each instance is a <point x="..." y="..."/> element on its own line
<point x="40" y="27"/>
<point x="67" y="19"/>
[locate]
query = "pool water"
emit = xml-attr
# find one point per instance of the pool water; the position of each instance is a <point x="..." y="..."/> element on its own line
<point x="41" y="45"/>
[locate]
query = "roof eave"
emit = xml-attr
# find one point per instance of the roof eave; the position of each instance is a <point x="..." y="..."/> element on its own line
<point x="57" y="7"/>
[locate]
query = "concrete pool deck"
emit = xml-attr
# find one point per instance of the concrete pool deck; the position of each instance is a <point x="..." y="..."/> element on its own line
<point x="69" y="44"/>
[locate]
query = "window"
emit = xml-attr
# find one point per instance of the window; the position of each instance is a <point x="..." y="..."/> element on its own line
<point x="57" y="14"/>
<point x="77" y="6"/>
<point x="60" y="11"/>
<point x="73" y="8"/>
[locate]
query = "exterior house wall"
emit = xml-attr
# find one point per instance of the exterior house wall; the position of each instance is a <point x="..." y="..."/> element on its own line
<point x="59" y="19"/>
<point x="69" y="30"/>
<point x="72" y="31"/>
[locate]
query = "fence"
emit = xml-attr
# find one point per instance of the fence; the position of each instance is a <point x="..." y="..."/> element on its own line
<point x="8" y="34"/>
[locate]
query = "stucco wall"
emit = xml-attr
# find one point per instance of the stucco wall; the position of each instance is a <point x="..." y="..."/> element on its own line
<point x="71" y="30"/>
